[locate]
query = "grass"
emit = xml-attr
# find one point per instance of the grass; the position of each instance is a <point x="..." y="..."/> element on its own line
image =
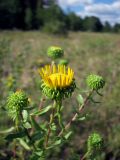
<point x="87" y="53"/>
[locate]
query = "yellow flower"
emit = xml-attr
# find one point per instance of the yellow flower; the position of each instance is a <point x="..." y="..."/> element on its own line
<point x="57" y="76"/>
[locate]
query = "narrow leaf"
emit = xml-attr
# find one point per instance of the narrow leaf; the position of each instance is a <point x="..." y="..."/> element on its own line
<point x="27" y="125"/>
<point x="25" y="115"/>
<point x="42" y="111"/>
<point x="24" y="144"/>
<point x="35" y="124"/>
<point x="12" y="136"/>
<point x="80" y="99"/>
<point x="68" y="135"/>
<point x="7" y="130"/>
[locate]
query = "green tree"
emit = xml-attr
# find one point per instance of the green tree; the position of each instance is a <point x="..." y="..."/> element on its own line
<point x="75" y="23"/>
<point x="8" y="13"/>
<point x="92" y="24"/>
<point x="28" y="18"/>
<point x="116" y="28"/>
<point x="107" y="27"/>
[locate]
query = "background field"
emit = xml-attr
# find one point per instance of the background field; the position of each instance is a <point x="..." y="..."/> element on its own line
<point x="22" y="53"/>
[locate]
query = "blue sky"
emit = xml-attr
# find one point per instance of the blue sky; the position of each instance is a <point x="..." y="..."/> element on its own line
<point x="106" y="10"/>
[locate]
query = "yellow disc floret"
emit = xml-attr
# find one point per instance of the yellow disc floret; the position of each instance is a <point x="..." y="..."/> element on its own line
<point x="57" y="76"/>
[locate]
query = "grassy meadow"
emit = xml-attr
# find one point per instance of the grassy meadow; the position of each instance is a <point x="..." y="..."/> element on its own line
<point x="22" y="53"/>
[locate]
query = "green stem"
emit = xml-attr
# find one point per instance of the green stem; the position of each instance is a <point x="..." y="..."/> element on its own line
<point x="27" y="134"/>
<point x="76" y="114"/>
<point x="30" y="139"/>
<point x="59" y="114"/>
<point x="84" y="156"/>
<point x="50" y="123"/>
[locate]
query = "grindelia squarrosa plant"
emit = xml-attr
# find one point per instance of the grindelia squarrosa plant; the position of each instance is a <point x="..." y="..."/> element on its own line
<point x="39" y="136"/>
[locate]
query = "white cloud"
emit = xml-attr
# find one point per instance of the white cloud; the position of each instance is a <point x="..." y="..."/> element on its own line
<point x="103" y="8"/>
<point x="64" y="3"/>
<point x="106" y="12"/>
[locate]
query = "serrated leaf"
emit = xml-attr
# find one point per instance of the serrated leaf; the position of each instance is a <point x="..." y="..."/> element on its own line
<point x="7" y="130"/>
<point x="42" y="111"/>
<point x="24" y="144"/>
<point x="80" y="99"/>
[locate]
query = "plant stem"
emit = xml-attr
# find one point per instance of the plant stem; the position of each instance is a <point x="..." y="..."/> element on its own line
<point x="84" y="156"/>
<point x="59" y="114"/>
<point x="76" y="114"/>
<point x="29" y="137"/>
<point x="27" y="134"/>
<point x="50" y="123"/>
<point x="40" y="107"/>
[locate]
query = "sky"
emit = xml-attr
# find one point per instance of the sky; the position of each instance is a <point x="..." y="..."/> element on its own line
<point x="106" y="10"/>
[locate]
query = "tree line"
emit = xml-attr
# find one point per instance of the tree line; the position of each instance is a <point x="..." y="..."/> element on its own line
<point x="48" y="16"/>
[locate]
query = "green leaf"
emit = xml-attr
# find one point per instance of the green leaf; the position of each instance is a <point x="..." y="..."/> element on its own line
<point x="99" y="93"/>
<point x="42" y="111"/>
<point x="39" y="153"/>
<point x="7" y="130"/>
<point x="80" y="99"/>
<point x="24" y="144"/>
<point x="27" y="125"/>
<point x="25" y="115"/>
<point x="57" y="142"/>
<point x="92" y="100"/>
<point x="35" y="124"/>
<point x="37" y="136"/>
<point x="53" y="127"/>
<point x="82" y="118"/>
<point x="12" y="136"/>
<point x="68" y="135"/>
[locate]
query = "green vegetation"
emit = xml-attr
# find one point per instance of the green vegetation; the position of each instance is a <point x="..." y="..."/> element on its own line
<point x="22" y="53"/>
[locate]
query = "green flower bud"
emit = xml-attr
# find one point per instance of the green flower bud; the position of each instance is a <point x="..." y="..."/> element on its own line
<point x="16" y="102"/>
<point x="55" y="52"/>
<point x="94" y="143"/>
<point x="95" y="82"/>
<point x="63" y="62"/>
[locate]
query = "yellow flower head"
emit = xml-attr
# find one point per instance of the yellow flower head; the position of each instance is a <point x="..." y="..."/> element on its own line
<point x="57" y="76"/>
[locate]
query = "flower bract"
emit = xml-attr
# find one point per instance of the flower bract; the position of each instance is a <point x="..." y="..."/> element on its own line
<point x="16" y="102"/>
<point x="55" y="52"/>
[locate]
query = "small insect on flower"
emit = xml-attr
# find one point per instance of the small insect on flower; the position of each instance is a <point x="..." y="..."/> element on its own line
<point x="58" y="80"/>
